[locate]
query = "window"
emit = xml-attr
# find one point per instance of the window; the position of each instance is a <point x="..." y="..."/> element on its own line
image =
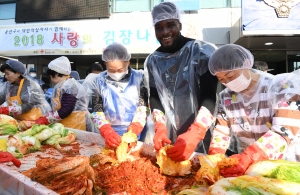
<point x="155" y="2"/>
<point x="236" y="3"/>
<point x="7" y="11"/>
<point x="147" y="5"/>
<point x="220" y="3"/>
<point x="131" y="5"/>
<point x="134" y="5"/>
<point x="214" y="3"/>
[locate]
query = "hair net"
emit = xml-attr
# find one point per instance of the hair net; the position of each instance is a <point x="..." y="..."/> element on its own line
<point x="61" y="65"/>
<point x="165" y="11"/>
<point x="75" y="75"/>
<point x="17" y="66"/>
<point x="115" y="51"/>
<point x="230" y="57"/>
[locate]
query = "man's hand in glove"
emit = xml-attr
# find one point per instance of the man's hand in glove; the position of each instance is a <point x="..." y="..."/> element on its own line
<point x="8" y="157"/>
<point x="160" y="137"/>
<point x="187" y="142"/>
<point x="112" y="139"/>
<point x="251" y="155"/>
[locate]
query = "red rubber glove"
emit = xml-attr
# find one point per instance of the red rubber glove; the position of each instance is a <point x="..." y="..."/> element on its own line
<point x="212" y="151"/>
<point x="42" y="121"/>
<point x="7" y="157"/>
<point x="160" y="137"/>
<point x="112" y="139"/>
<point x="252" y="154"/>
<point x="135" y="127"/>
<point x="4" y="110"/>
<point x="186" y="143"/>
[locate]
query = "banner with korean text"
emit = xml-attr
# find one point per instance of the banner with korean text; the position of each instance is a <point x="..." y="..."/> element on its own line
<point x="76" y="38"/>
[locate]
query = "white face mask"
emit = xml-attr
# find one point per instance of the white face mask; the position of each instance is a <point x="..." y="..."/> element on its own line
<point x="239" y="84"/>
<point x="32" y="74"/>
<point x="117" y="76"/>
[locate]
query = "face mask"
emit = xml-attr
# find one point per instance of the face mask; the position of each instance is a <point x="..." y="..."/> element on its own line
<point x="32" y="74"/>
<point x="239" y="84"/>
<point x="117" y="76"/>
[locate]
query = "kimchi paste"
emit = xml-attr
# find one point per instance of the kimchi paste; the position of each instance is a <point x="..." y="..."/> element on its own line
<point x="141" y="176"/>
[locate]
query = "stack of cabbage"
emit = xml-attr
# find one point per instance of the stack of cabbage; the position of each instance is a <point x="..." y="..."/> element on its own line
<point x="269" y="177"/>
<point x="8" y="125"/>
<point x="32" y="139"/>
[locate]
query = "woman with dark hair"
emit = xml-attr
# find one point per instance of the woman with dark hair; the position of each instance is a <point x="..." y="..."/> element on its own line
<point x="23" y="95"/>
<point x="69" y="101"/>
<point x="261" y="111"/>
<point x="121" y="96"/>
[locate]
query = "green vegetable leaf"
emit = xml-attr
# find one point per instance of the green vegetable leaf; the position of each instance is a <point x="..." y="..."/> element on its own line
<point x="35" y="129"/>
<point x="8" y="129"/>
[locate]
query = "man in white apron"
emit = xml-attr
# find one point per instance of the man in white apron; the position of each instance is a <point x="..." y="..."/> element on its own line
<point x="179" y="84"/>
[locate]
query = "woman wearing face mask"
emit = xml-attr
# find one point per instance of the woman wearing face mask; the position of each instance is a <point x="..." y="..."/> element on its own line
<point x="24" y="96"/>
<point x="259" y="109"/>
<point x="123" y="96"/>
<point x="69" y="101"/>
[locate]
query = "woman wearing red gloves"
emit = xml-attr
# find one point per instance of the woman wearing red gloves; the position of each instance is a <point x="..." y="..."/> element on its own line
<point x="69" y="100"/>
<point x="25" y="98"/>
<point x="122" y="93"/>
<point x="260" y="109"/>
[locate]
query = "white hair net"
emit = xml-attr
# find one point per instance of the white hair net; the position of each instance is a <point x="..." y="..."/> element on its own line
<point x="115" y="51"/>
<point x="166" y="11"/>
<point x="230" y="57"/>
<point x="61" y="65"/>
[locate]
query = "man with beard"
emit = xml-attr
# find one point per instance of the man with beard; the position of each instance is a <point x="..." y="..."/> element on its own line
<point x="180" y="84"/>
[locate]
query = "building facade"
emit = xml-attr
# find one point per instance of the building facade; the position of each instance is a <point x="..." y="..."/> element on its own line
<point x="82" y="40"/>
<point x="271" y="31"/>
<point x="36" y="32"/>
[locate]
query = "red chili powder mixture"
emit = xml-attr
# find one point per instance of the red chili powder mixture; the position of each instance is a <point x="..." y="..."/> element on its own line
<point x="141" y="176"/>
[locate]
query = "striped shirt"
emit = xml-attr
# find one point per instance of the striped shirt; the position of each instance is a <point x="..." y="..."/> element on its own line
<point x="250" y="119"/>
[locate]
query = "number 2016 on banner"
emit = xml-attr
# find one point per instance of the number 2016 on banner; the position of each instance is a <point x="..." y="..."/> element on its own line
<point x="25" y="40"/>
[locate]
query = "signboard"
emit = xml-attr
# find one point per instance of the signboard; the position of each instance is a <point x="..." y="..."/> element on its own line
<point x="78" y="38"/>
<point x="186" y="5"/>
<point x="270" y="17"/>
